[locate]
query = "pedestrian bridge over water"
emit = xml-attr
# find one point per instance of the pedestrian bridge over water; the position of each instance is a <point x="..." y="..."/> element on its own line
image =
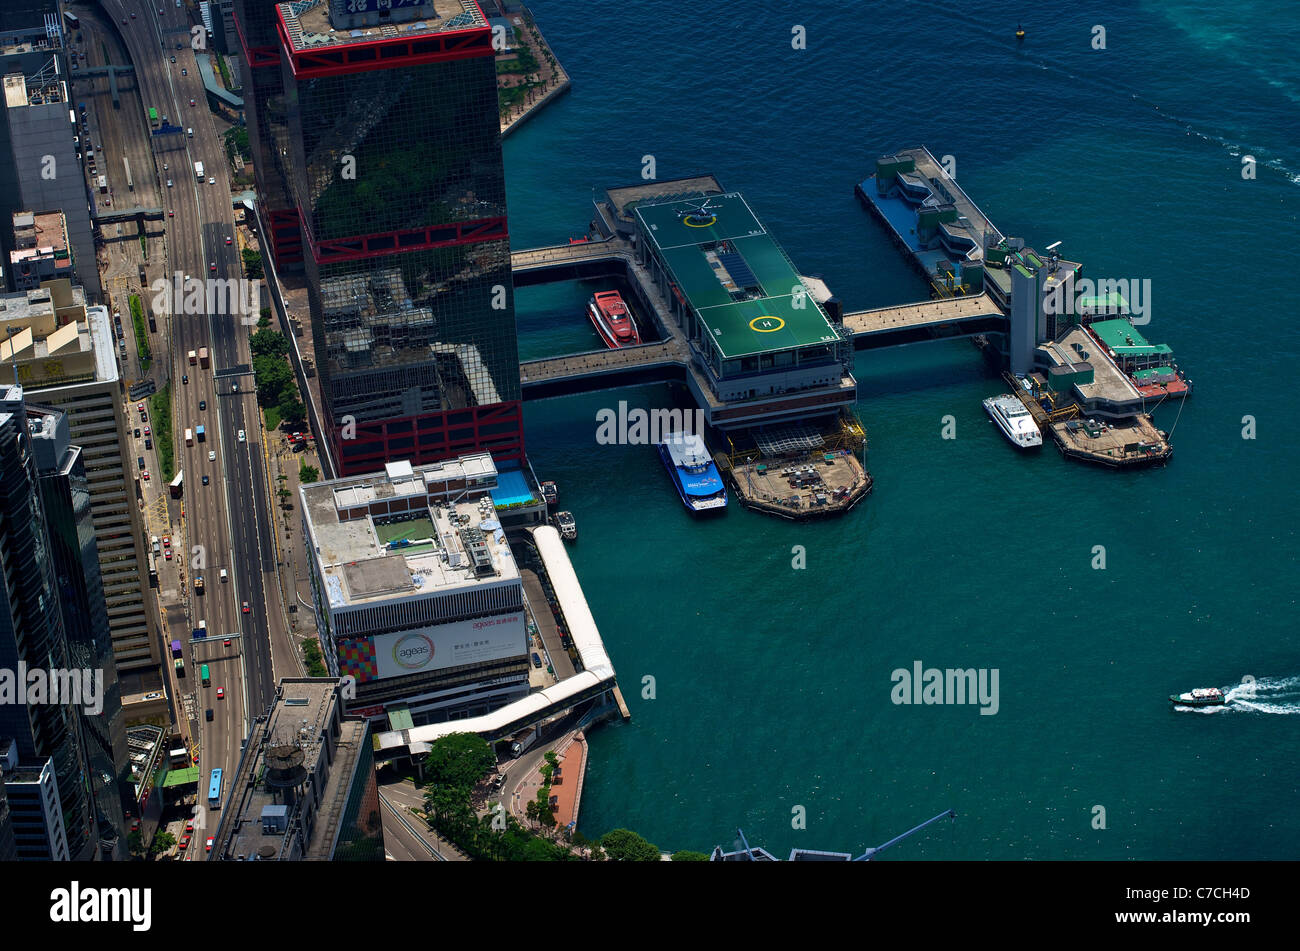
<point x="669" y="359"/>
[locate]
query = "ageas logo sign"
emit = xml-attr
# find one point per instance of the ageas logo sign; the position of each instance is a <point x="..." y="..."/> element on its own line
<point x="413" y="651"/>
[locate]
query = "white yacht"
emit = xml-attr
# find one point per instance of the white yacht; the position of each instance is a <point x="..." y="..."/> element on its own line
<point x="1014" y="420"/>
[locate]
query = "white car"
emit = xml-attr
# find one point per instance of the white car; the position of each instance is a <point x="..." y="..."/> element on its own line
<point x="211" y="181"/>
<point x="212" y="455"/>
<point x="241" y="436"/>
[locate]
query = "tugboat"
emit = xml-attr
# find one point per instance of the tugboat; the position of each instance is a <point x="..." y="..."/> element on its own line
<point x="566" y="525"/>
<point x="550" y="493"/>
<point x="1200" y="697"/>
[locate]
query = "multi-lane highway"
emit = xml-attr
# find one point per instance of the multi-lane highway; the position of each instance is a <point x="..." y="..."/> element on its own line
<point x="227" y="523"/>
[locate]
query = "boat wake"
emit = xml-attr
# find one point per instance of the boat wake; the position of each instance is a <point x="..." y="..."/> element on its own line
<point x="1268" y="695"/>
<point x="1105" y="82"/>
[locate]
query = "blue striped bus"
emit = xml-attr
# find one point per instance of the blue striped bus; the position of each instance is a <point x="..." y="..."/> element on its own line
<point x="214" y="790"/>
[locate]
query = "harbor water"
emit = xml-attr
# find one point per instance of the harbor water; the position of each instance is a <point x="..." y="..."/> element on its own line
<point x="758" y="689"/>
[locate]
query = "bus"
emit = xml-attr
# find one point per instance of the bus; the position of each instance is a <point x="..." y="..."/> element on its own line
<point x="153" y="116"/>
<point x="176" y="483"/>
<point x="203" y="676"/>
<point x="214" y="790"/>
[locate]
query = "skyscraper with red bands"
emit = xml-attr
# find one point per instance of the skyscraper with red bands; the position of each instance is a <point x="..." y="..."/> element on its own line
<point x="376" y="141"/>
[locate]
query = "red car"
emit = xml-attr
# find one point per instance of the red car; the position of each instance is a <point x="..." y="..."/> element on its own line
<point x="226" y="642"/>
<point x="227" y="242"/>
<point x="171" y="214"/>
<point x="246" y="608"/>
<point x="211" y="839"/>
<point x="146" y="431"/>
<point x="168" y="554"/>
<point x="189" y="826"/>
<point x="167" y="541"/>
<point x="139" y="407"/>
<point x="221" y="693"/>
<point x="185" y="841"/>
<point x="144" y="474"/>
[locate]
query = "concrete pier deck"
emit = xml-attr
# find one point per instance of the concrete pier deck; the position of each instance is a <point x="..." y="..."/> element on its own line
<point x="1131" y="443"/>
<point x="802" y="487"/>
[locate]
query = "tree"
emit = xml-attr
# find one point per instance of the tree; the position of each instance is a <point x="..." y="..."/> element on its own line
<point x="308" y="474"/>
<point x="252" y="262"/>
<point x="273" y="377"/>
<point x="162" y="841"/>
<point x="135" y="844"/>
<point x="687" y="856"/>
<point x="624" y="845"/>
<point x="270" y="343"/>
<point x="291" y="409"/>
<point x="459" y="760"/>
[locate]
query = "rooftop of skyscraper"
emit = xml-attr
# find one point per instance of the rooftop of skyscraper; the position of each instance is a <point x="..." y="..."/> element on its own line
<point x="407" y="531"/>
<point x="283" y="750"/>
<point x="53" y="338"/>
<point x="317" y="24"/>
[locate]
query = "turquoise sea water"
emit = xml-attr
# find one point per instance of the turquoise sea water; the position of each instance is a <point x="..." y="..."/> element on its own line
<point x="773" y="685"/>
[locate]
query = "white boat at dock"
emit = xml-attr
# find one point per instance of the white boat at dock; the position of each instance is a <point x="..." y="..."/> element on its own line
<point x="1014" y="420"/>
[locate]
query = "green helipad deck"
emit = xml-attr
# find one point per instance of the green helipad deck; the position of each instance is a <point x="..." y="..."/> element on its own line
<point x="734" y="275"/>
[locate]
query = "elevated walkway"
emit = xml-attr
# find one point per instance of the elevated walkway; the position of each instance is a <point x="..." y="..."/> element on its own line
<point x="572" y="262"/>
<point x="924" y="320"/>
<point x="596" y="679"/>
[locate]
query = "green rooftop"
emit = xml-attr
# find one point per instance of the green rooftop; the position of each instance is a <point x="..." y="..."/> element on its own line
<point x="734" y="275"/>
<point x="1123" y="338"/>
<point x="1113" y="300"/>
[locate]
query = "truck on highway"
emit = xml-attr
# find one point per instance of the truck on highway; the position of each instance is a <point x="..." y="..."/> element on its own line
<point x="198" y="431"/>
<point x="198" y="170"/>
<point x="203" y="357"/>
<point x="194" y="357"/>
<point x="189" y="437"/>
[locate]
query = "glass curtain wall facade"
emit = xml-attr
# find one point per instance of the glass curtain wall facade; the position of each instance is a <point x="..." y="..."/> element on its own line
<point x="66" y="495"/>
<point x="31" y="627"/>
<point x="389" y="154"/>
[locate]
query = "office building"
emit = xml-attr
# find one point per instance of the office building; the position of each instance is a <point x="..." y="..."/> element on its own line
<point x="8" y="847"/>
<point x="417" y="595"/>
<point x="40" y="249"/>
<point x="305" y="786"/>
<point x="45" y="729"/>
<point x="39" y="166"/>
<point x="65" y="493"/>
<point x="62" y="351"/>
<point x="379" y="168"/>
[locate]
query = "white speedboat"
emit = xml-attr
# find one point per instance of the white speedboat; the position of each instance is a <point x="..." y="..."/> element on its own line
<point x="1014" y="420"/>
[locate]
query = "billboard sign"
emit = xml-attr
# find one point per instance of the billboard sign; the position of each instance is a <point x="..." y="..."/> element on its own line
<point x="446" y="645"/>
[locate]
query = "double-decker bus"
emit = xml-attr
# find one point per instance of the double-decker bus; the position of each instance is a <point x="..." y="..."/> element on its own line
<point x="176" y="484"/>
<point x="203" y="676"/>
<point x="214" y="790"/>
<point x="153" y="117"/>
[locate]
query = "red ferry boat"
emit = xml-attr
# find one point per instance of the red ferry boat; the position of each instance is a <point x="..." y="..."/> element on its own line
<point x="613" y="321"/>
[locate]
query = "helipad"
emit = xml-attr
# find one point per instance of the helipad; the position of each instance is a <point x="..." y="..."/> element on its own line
<point x="733" y="276"/>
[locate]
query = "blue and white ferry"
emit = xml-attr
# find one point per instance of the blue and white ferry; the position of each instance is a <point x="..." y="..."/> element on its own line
<point x="694" y="474"/>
